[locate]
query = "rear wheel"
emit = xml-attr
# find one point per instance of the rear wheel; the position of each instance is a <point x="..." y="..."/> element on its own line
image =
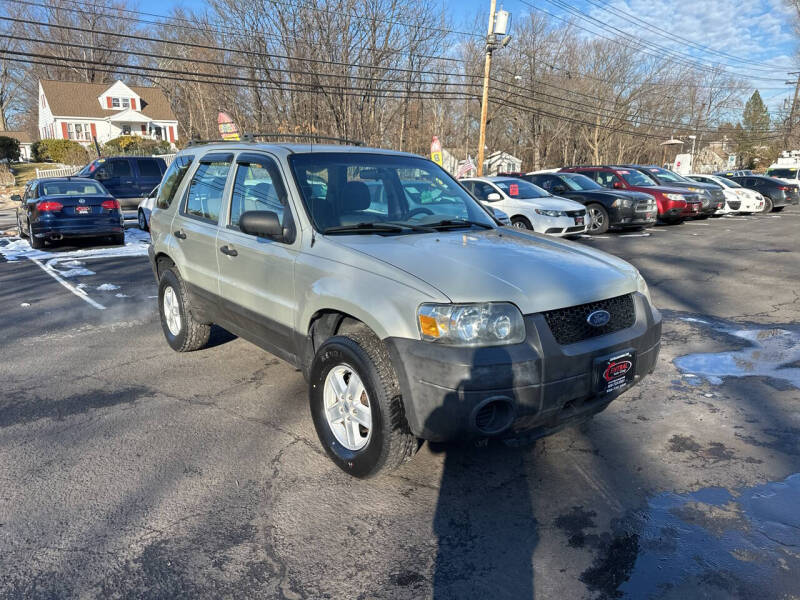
<point x="36" y="243"/>
<point x="184" y="333"/>
<point x="521" y="223"/>
<point x="142" y="221"/>
<point x="778" y="208"/>
<point x="118" y="239"/>
<point x="598" y="219"/>
<point x="768" y="206"/>
<point x="356" y="406"/>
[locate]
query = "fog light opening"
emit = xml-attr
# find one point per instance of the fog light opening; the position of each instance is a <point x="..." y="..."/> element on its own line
<point x="493" y="415"/>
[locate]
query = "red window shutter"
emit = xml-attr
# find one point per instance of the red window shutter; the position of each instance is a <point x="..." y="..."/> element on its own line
<point x="171" y="135"/>
<point x="144" y="129"/>
<point x="108" y="101"/>
<point x="133" y="106"/>
<point x="64" y="130"/>
<point x="94" y="130"/>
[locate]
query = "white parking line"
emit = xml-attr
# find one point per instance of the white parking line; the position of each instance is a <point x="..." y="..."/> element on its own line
<point x="77" y="291"/>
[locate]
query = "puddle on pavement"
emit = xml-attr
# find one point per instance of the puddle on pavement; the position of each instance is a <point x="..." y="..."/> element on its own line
<point x="772" y="352"/>
<point x="712" y="543"/>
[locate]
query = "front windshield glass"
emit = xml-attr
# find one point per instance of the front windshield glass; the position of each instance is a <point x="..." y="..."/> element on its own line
<point x="783" y="173"/>
<point x="666" y="175"/>
<point x="519" y="188"/>
<point x="382" y="193"/>
<point x="577" y="182"/>
<point x="71" y="188"/>
<point x="636" y="178"/>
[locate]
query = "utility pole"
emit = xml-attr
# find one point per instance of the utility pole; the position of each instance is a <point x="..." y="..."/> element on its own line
<point x="790" y="123"/>
<point x="498" y="23"/>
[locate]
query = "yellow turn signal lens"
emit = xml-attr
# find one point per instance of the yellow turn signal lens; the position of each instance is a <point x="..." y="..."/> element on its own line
<point x="428" y="326"/>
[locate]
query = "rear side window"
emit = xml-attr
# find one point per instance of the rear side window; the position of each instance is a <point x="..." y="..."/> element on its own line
<point x="148" y="167"/>
<point x="205" y="191"/>
<point x="172" y="180"/>
<point x="119" y="168"/>
<point x="258" y="186"/>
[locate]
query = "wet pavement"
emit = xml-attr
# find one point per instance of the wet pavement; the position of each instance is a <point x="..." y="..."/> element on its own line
<point x="130" y="471"/>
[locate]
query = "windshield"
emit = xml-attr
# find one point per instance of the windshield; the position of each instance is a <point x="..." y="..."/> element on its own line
<point x="519" y="188"/>
<point x="666" y="175"/>
<point x="577" y="182"/>
<point x="71" y="188"/>
<point x="782" y="173"/>
<point x="729" y="182"/>
<point x="382" y="193"/>
<point x="636" y="178"/>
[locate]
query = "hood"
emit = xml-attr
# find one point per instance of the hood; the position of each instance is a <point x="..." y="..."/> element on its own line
<point x="550" y="203"/>
<point x="665" y="189"/>
<point x="613" y="194"/>
<point x="535" y="272"/>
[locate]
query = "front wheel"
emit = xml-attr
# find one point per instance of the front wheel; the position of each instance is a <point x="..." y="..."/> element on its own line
<point x="142" y="221"/>
<point x="356" y="406"/>
<point x="184" y="333"/>
<point x="521" y="223"/>
<point x="19" y="228"/>
<point x="768" y="206"/>
<point x="598" y="219"/>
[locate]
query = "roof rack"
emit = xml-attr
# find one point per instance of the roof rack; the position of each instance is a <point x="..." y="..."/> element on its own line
<point x="251" y="137"/>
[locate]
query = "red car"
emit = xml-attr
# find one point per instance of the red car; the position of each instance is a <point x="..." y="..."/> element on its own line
<point x="674" y="203"/>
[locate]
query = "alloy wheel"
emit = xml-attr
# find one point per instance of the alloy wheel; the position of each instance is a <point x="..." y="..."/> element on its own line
<point x="346" y="407"/>
<point x="597" y="219"/>
<point x="172" y="311"/>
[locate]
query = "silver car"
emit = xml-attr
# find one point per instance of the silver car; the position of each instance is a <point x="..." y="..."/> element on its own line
<point x="411" y="312"/>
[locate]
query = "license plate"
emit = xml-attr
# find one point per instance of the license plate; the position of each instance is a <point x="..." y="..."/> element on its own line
<point x="578" y="220"/>
<point x="83" y="210"/>
<point x="615" y="373"/>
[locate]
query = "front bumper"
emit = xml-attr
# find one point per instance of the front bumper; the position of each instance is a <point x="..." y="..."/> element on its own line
<point x="559" y="226"/>
<point x="544" y="385"/>
<point x="630" y="217"/>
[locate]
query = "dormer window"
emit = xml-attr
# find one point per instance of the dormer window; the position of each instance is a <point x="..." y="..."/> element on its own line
<point x="126" y="102"/>
<point x="115" y="103"/>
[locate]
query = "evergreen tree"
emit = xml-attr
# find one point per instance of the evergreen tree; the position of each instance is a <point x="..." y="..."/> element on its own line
<point x="750" y="133"/>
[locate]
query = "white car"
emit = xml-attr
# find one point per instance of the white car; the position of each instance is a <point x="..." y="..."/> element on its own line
<point x="529" y="206"/>
<point x="145" y="209"/>
<point x="737" y="198"/>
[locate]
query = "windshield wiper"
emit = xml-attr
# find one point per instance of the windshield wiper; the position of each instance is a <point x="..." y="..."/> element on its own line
<point x="364" y="228"/>
<point x="454" y="223"/>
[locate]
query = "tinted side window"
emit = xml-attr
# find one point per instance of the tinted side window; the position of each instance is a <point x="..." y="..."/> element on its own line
<point x="119" y="168"/>
<point x="482" y="190"/>
<point x="148" y="167"/>
<point x="606" y="178"/>
<point x="172" y="180"/>
<point x="548" y="182"/>
<point x="258" y="186"/>
<point x="205" y="191"/>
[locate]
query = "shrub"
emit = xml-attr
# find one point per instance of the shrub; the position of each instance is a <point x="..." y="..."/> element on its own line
<point x="127" y="144"/>
<point x="67" y="152"/>
<point x="9" y="149"/>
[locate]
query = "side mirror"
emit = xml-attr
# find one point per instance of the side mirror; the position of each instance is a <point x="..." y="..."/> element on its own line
<point x="618" y="185"/>
<point x="261" y="223"/>
<point x="494" y="197"/>
<point x="16" y="198"/>
<point x="559" y="189"/>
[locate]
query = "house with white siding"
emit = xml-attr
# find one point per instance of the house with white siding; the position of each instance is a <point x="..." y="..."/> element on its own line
<point x="85" y="111"/>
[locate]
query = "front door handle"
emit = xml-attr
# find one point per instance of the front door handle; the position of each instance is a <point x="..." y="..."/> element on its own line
<point x="179" y="234"/>
<point x="228" y="251"/>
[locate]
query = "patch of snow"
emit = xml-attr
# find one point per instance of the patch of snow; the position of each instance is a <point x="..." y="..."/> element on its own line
<point x="121" y="295"/>
<point x="74" y="268"/>
<point x="107" y="287"/>
<point x="693" y="320"/>
<point x="771" y="352"/>
<point x="136" y="243"/>
<point x="25" y="304"/>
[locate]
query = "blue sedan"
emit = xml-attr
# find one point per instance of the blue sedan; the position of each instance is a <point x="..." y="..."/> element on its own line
<point x="68" y="207"/>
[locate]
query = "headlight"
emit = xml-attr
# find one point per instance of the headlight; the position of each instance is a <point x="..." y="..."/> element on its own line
<point x="489" y="324"/>
<point x="623" y="202"/>
<point x="677" y="197"/>
<point x="641" y="287"/>
<point x="549" y="213"/>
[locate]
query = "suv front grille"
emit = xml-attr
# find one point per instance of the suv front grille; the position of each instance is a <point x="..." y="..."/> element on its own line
<point x="569" y="325"/>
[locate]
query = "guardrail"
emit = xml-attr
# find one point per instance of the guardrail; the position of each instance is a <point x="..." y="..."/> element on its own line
<point x="71" y="170"/>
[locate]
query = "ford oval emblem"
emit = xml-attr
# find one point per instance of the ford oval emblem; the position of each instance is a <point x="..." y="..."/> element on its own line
<point x="598" y="318"/>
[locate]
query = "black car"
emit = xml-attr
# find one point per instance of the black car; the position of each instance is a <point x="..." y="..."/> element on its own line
<point x="711" y="196"/>
<point x="54" y="208"/>
<point x="127" y="178"/>
<point x="777" y="194"/>
<point x="607" y="209"/>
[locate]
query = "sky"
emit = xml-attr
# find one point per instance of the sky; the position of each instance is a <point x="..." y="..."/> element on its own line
<point x="755" y="36"/>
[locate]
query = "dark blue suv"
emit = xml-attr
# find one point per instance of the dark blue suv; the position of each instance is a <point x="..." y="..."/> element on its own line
<point x="127" y="178"/>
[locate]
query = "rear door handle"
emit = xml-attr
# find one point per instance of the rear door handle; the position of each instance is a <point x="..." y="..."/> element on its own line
<point x="228" y="251"/>
<point x="179" y="234"/>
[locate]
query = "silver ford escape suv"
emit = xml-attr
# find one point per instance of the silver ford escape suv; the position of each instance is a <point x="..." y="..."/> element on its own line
<point x="411" y="312"/>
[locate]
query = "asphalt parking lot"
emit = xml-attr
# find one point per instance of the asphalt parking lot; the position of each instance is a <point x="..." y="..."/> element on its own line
<point x="131" y="471"/>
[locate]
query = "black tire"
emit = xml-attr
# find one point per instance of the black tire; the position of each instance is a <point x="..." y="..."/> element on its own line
<point x="768" y="205"/>
<point x="598" y="212"/>
<point x="19" y="228"/>
<point x="702" y="217"/>
<point x="118" y="239"/>
<point x="192" y="335"/>
<point x="36" y="243"/>
<point x="391" y="443"/>
<point x="521" y="223"/>
<point x="142" y="221"/>
<point x="778" y="208"/>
